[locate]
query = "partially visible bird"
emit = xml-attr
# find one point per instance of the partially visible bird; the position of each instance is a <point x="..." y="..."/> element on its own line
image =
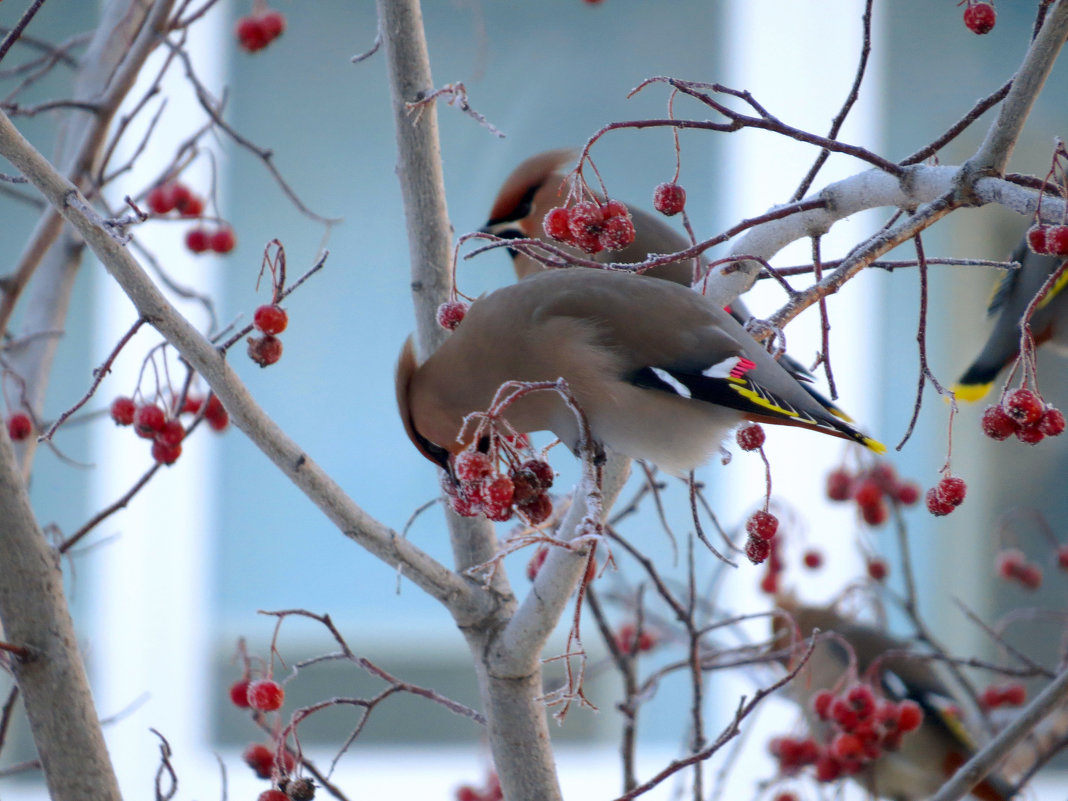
<point x="1014" y="291"/>
<point x="926" y="757"/>
<point x="660" y="372"/>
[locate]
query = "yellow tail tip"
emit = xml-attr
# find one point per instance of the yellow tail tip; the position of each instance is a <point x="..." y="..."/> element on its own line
<point x="970" y="393"/>
<point x="874" y="445"/>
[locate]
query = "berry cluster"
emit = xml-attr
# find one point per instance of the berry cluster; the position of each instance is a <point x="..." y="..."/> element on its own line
<point x="979" y="17"/>
<point x="1011" y="564"/>
<point x="480" y="488"/>
<point x="451" y="313"/>
<point x="1006" y="694"/>
<point x="490" y="792"/>
<point x="166" y="431"/>
<point x="761" y="528"/>
<point x="1024" y="414"/>
<point x="256" y="31"/>
<point x="176" y="196"/>
<point x="630" y="641"/>
<point x="270" y="320"/>
<point x="201" y="240"/>
<point x="669" y="199"/>
<point x="1048" y="239"/>
<point x="862" y="728"/>
<point x="872" y="489"/>
<point x="19" y="426"/>
<point x="591" y="226"/>
<point x="263" y="759"/>
<point x="946" y="495"/>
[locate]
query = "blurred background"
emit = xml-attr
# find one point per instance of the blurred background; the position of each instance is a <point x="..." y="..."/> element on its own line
<point x="170" y="583"/>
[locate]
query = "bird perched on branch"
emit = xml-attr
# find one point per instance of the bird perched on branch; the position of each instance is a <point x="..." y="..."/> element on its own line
<point x="1014" y="292"/>
<point x="846" y="707"/>
<point x="660" y="372"/>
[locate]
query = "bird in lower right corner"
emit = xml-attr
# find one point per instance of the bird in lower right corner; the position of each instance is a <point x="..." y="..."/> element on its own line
<point x="920" y="761"/>
<point x="1014" y="291"/>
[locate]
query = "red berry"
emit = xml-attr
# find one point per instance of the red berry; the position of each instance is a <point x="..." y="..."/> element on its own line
<point x="946" y="496"/>
<point x="821" y="704"/>
<point x="149" y="420"/>
<point x="270" y="319"/>
<point x="847" y="747"/>
<point x="785" y="796"/>
<point x="179" y="194"/>
<point x="557" y="224"/>
<point x="19" y="426"/>
<point x="769" y="585"/>
<point x="630" y="642"/>
<point x="1052" y="422"/>
<point x="223" y="240"/>
<point x="812" y="559"/>
<point x="843" y="713"/>
<point x="273" y="24"/>
<point x="260" y="758"/>
<point x="907" y="493"/>
<point x="265" y="695"/>
<point x="875" y="514"/>
<point x="862" y="699"/>
<point x="265" y="350"/>
<point x="669" y="199"/>
<point x="164" y="453"/>
<point x="273" y="795"/>
<point x="616" y="233"/>
<point x="537" y="509"/>
<point x="909" y="715"/>
<point x="762" y="524"/>
<point x="877" y="569"/>
<point x="997" y="424"/>
<point x="867" y="492"/>
<point x="828" y="769"/>
<point x="192" y="207"/>
<point x="585" y="219"/>
<point x="541" y="470"/>
<point x="1008" y="562"/>
<point x="1032" y="435"/>
<point x="197" y="240"/>
<point x="1024" y="406"/>
<point x="1013" y="694"/>
<point x="750" y="437"/>
<point x="239" y="693"/>
<point x="616" y="208"/>
<point x="498" y="491"/>
<point x="465" y="505"/>
<point x="757" y="549"/>
<point x="1030" y="576"/>
<point x="980" y="18"/>
<point x="451" y="314"/>
<point x="160" y="199"/>
<point x="123" y="410"/>
<point x="251" y="34"/>
<point x="1057" y="240"/>
<point x="1036" y="239"/>
<point x="839" y="485"/>
<point x="471" y="465"/>
<point x="216" y="415"/>
<point x="937" y="505"/>
<point x="466" y="792"/>
<point x="1062" y="557"/>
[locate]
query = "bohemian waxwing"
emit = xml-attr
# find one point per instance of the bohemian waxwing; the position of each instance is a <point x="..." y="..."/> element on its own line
<point x="926" y="757"/>
<point x="1014" y="291"/>
<point x="534" y="187"/>
<point x="660" y="372"/>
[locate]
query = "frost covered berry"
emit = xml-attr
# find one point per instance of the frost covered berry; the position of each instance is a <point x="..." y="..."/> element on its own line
<point x="1036" y="239"/>
<point x="997" y="424"/>
<point x="1057" y="240"/>
<point x="171" y="434"/>
<point x="265" y="350"/>
<point x="757" y="550"/>
<point x="1052" y="422"/>
<point x="557" y="224"/>
<point x="123" y="410"/>
<point x="472" y="465"/>
<point x="239" y="694"/>
<point x="946" y="496"/>
<point x="19" y="426"/>
<point x="616" y="233"/>
<point x="669" y="199"/>
<point x="265" y="695"/>
<point x="270" y="319"/>
<point x="1024" y="406"/>
<point x="762" y="525"/>
<point x="451" y="313"/>
<point x="750" y="437"/>
<point x="164" y="453"/>
<point x="980" y="18"/>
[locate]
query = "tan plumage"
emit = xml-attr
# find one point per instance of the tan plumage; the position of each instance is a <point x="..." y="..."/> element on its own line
<point x="649" y="362"/>
<point x="928" y="756"/>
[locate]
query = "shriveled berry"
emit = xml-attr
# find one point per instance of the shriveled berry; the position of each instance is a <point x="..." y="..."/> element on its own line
<point x="265" y="350"/>
<point x="123" y="410"/>
<point x="472" y="465"/>
<point x="223" y="240"/>
<point x="762" y="524"/>
<point x="757" y="550"/>
<point x="270" y="319"/>
<point x="149" y="420"/>
<point x="1036" y="239"/>
<point x="537" y="509"/>
<point x="541" y="470"/>
<point x="239" y="694"/>
<point x="198" y="240"/>
<point x="812" y="559"/>
<point x="750" y="437"/>
<point x="19" y="426"/>
<point x="265" y="695"/>
<point x="1024" y="406"/>
<point x="669" y="199"/>
<point x="451" y="313"/>
<point x="839" y="485"/>
<point x="997" y="424"/>
<point x="980" y="17"/>
<point x="1052" y="422"/>
<point x="557" y="224"/>
<point x="302" y="789"/>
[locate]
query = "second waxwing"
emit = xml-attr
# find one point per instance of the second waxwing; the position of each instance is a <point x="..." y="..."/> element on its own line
<point x="660" y="372"/>
<point x="1014" y="292"/>
<point x="927" y="757"/>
